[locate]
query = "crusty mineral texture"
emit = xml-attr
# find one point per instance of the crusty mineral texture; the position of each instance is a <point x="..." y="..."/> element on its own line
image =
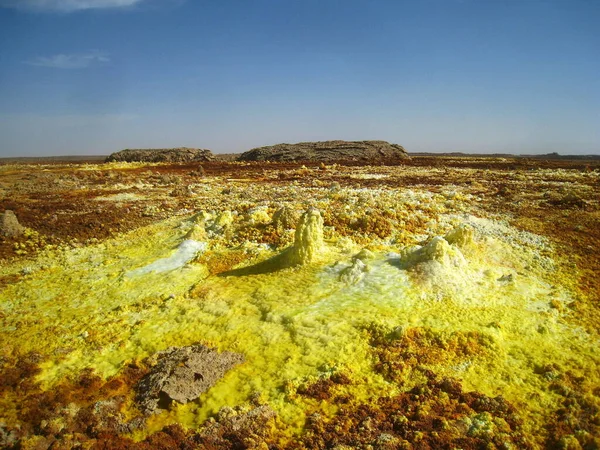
<point x="461" y="236"/>
<point x="308" y="242"/>
<point x="285" y="218"/>
<point x="175" y="155"/>
<point x="9" y="225"/>
<point x="354" y="273"/>
<point x="181" y="374"/>
<point x="250" y="425"/>
<point x="439" y="250"/>
<point x="327" y="151"/>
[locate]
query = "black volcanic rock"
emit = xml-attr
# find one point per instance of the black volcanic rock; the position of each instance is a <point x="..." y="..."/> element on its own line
<point x="327" y="151"/>
<point x="176" y="155"/>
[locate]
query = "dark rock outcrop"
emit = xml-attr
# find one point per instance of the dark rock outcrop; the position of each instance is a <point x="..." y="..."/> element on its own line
<point x="327" y="151"/>
<point x="175" y="155"/>
<point x="181" y="374"/>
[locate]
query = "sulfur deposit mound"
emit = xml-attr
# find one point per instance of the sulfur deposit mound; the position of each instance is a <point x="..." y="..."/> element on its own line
<point x="462" y="236"/>
<point x="354" y="273"/>
<point x="181" y="374"/>
<point x="445" y="251"/>
<point x="308" y="241"/>
<point x="437" y="250"/>
<point x="327" y="151"/>
<point x="175" y="155"/>
<point x="9" y="225"/>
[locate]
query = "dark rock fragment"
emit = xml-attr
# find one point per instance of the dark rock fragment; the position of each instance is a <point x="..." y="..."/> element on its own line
<point x="181" y="374"/>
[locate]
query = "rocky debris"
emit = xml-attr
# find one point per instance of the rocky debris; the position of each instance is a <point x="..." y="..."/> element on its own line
<point x="435" y="414"/>
<point x="198" y="172"/>
<point x="164" y="179"/>
<point x="506" y="279"/>
<point x="246" y="426"/>
<point x="327" y="151"/>
<point x="567" y="201"/>
<point x="182" y="191"/>
<point x="174" y="155"/>
<point x="8" y="436"/>
<point x="181" y="374"/>
<point x="308" y="241"/>
<point x="9" y="225"/>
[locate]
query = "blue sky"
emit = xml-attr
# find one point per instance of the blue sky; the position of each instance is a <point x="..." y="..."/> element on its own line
<point x="96" y="76"/>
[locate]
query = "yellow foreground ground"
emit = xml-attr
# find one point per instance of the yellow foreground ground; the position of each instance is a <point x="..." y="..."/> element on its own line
<point x="444" y="303"/>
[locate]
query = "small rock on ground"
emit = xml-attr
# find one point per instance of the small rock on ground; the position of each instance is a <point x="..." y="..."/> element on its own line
<point x="181" y="374"/>
<point x="9" y="225"/>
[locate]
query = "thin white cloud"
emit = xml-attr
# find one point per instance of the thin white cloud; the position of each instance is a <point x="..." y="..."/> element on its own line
<point x="70" y="61"/>
<point x="66" y="5"/>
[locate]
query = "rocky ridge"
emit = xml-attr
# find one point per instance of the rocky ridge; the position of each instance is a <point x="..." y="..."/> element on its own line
<point x="327" y="151"/>
<point x="175" y="155"/>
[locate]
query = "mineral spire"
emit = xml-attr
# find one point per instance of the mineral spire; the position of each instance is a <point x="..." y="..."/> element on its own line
<point x="308" y="242"/>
